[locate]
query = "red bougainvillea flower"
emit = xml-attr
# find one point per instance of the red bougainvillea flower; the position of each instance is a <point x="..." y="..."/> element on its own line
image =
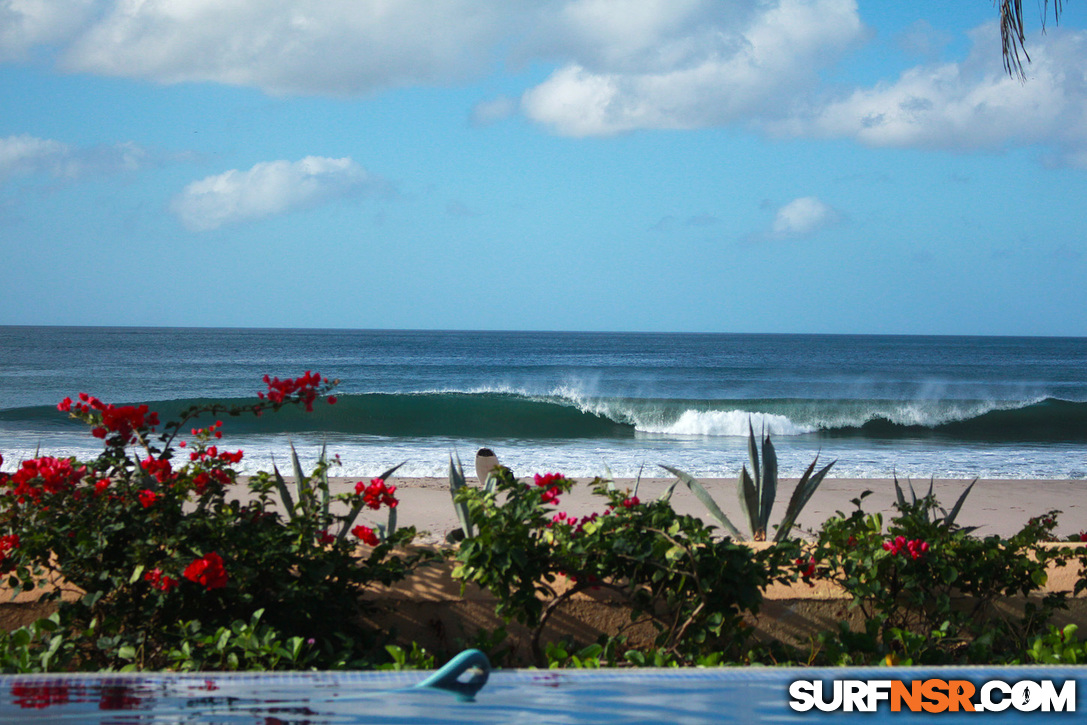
<point x="207" y="571"/>
<point x="304" y="387"/>
<point x="377" y="494"/>
<point x="160" y="470"/>
<point x="807" y="568"/>
<point x="914" y="548"/>
<point x="548" y="479"/>
<point x="43" y="476"/>
<point x="631" y="502"/>
<point x="160" y="581"/>
<point x="366" y="535"/>
<point x="324" y="537"/>
<point x="1082" y="534"/>
<point x="148" y="498"/>
<point x="7" y="544"/>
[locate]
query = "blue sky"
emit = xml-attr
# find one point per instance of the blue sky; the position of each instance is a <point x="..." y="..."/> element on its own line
<point x="673" y="165"/>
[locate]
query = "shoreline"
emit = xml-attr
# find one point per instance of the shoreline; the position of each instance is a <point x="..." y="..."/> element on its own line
<point x="996" y="506"/>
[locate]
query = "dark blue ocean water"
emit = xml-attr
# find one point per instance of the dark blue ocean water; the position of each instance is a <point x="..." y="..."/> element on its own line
<point x="583" y="403"/>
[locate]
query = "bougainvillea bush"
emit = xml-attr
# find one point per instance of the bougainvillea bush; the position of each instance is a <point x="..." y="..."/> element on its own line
<point x="692" y="586"/>
<point x="161" y="541"/>
<point x="927" y="588"/>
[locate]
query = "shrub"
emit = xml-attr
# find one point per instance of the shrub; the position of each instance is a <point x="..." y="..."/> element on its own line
<point x="692" y="587"/>
<point x="151" y="533"/>
<point x="926" y="587"/>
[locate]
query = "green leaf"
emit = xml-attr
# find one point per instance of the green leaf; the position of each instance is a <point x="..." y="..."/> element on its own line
<point x="950" y="518"/>
<point x="703" y="495"/>
<point x="136" y="574"/>
<point x="749" y="498"/>
<point x="769" y="483"/>
<point x="284" y="493"/>
<point x="390" y="527"/>
<point x="456" y="483"/>
<point x="803" y="491"/>
<point x="301" y="482"/>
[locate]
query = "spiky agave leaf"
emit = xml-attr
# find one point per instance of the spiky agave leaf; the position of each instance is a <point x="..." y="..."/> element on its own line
<point x="703" y="495"/>
<point x="284" y="492"/>
<point x="638" y="480"/>
<point x="769" y="486"/>
<point x="456" y="483"/>
<point x="323" y="480"/>
<point x="749" y="499"/>
<point x="899" y="496"/>
<point x="949" y="519"/>
<point x="301" y="482"/>
<point x="801" y="494"/>
<point x="390" y="527"/>
<point x="753" y="455"/>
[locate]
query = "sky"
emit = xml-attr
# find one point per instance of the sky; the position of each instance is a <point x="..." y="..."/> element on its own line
<point x="792" y="166"/>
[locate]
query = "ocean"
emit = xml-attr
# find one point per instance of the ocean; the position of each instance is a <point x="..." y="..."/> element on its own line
<point x="581" y="403"/>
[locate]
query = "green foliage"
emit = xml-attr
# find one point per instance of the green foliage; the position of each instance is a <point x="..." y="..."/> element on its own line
<point x="151" y="542"/>
<point x="415" y="658"/>
<point x="691" y="587"/>
<point x="926" y="587"/>
<point x="1058" y="647"/>
<point x="758" y="491"/>
<point x="241" y="646"/>
<point x="38" y="647"/>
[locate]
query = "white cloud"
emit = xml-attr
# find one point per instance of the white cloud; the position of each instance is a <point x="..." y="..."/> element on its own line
<point x="267" y="189"/>
<point x="291" y="46"/>
<point x="970" y="105"/>
<point x="27" y="154"/>
<point x="692" y="64"/>
<point x="27" y="23"/>
<point x="803" y="217"/>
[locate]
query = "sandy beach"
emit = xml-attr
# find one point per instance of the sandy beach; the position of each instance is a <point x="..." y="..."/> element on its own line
<point x="996" y="506"/>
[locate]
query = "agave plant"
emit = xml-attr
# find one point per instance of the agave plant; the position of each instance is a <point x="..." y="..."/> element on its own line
<point x="457" y="481"/>
<point x="314" y="495"/>
<point x="757" y="491"/>
<point x="945" y="519"/>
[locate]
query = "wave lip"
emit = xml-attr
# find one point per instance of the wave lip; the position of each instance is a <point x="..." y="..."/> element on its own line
<point x="728" y="423"/>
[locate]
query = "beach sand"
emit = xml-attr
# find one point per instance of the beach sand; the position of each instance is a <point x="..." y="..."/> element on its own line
<point x="995" y="506"/>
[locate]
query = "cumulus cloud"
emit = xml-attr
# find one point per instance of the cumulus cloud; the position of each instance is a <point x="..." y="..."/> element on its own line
<point x="972" y="105"/>
<point x="27" y="23"/>
<point x="803" y="217"/>
<point x="267" y="189"/>
<point x="293" y="46"/>
<point x="25" y="154"/>
<point x="689" y="64"/>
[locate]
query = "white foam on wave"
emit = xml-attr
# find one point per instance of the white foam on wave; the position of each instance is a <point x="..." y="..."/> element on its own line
<point x="728" y="423"/>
